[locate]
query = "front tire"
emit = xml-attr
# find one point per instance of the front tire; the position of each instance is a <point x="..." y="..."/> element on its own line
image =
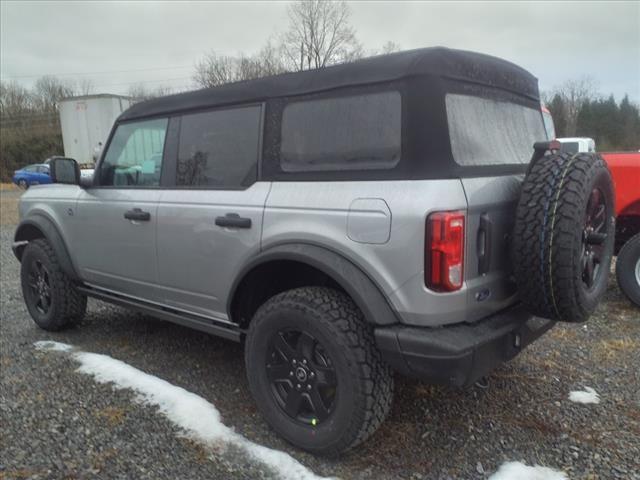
<point x="51" y="297"/>
<point x="628" y="269"/>
<point x="315" y="372"/>
<point x="23" y="184"/>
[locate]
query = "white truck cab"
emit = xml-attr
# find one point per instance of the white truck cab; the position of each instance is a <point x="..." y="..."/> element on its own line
<point x="577" y="144"/>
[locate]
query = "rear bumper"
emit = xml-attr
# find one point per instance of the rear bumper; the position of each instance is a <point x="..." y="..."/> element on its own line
<point x="459" y="354"/>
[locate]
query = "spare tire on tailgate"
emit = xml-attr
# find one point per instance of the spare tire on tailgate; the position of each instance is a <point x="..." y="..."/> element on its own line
<point x="563" y="236"/>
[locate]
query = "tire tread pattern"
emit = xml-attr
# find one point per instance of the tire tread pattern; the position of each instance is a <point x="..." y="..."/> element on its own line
<point x="353" y="334"/>
<point x="549" y="216"/>
<point x="68" y="303"/>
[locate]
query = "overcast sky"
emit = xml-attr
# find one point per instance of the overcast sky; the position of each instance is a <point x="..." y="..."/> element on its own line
<point x="116" y="44"/>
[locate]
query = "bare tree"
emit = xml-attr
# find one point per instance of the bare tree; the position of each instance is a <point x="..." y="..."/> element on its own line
<point x="164" y="90"/>
<point x="49" y="90"/>
<point x="574" y="93"/>
<point x="319" y="35"/>
<point x="139" y="93"/>
<point x="85" y="86"/>
<point x="214" y="69"/>
<point x="14" y="99"/>
<point x="270" y="58"/>
<point x="390" y="47"/>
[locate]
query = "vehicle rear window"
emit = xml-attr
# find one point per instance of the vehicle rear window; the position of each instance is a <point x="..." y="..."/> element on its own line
<point x="485" y="131"/>
<point x="342" y="133"/>
<point x="219" y="149"/>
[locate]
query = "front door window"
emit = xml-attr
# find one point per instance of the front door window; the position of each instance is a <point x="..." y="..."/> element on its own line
<point x="134" y="157"/>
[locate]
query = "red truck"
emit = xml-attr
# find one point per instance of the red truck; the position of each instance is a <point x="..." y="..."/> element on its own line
<point x="625" y="169"/>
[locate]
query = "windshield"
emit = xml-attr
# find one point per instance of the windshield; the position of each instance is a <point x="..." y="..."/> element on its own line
<point x="486" y="131"/>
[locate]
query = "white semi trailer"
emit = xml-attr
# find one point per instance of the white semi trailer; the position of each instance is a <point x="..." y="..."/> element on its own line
<point x="86" y="122"/>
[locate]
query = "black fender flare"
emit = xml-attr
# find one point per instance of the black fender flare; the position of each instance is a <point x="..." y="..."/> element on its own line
<point x="368" y="296"/>
<point x="26" y="232"/>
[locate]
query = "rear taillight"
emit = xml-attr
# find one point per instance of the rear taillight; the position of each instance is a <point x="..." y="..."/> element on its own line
<point x="444" y="251"/>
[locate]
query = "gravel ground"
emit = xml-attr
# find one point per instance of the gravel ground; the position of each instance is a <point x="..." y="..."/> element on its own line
<point x="56" y="423"/>
<point x="9" y="196"/>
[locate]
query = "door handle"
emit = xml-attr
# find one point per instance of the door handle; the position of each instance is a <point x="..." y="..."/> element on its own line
<point x="233" y="220"/>
<point x="484" y="244"/>
<point x="137" y="214"/>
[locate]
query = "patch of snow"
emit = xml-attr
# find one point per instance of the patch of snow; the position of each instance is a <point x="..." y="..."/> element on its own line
<point x="199" y="419"/>
<point x="50" y="345"/>
<point x="588" y="395"/>
<point x="520" y="471"/>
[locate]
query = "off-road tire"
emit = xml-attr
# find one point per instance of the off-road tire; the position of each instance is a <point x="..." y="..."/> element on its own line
<point x="627" y="269"/>
<point x="67" y="304"/>
<point x="548" y="241"/>
<point x="364" y="389"/>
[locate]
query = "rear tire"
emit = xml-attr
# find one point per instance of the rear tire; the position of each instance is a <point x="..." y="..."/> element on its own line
<point x="311" y="345"/>
<point x="23" y="184"/>
<point x="51" y="297"/>
<point x="628" y="269"/>
<point x="563" y="236"/>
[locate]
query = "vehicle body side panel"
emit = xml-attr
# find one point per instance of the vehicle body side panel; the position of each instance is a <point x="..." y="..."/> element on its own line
<point x="625" y="169"/>
<point x="198" y="260"/>
<point x="53" y="203"/>
<point x="112" y="251"/>
<point x="356" y="283"/>
<point x="319" y="213"/>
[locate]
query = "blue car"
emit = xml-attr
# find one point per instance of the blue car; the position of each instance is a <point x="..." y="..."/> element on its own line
<point x="37" y="174"/>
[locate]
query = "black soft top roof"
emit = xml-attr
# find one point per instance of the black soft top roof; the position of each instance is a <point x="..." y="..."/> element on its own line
<point x="434" y="61"/>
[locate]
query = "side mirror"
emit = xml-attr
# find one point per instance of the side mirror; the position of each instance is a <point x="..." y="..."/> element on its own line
<point x="65" y="170"/>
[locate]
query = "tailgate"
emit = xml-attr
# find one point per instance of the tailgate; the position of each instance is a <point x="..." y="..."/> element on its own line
<point x="491" y="212"/>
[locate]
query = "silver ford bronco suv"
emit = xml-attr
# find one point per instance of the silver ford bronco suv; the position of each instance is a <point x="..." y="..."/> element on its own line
<point x="405" y="213"/>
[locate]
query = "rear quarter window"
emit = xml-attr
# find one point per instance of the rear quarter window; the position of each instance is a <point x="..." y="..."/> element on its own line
<point x="342" y="133"/>
<point x="485" y="131"/>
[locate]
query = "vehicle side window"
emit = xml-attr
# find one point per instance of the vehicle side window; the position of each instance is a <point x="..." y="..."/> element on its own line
<point x="134" y="157"/>
<point x="43" y="169"/>
<point x="219" y="149"/>
<point x="31" y="168"/>
<point x="342" y="133"/>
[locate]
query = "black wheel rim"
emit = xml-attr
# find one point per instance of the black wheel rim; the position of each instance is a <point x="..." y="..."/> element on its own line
<point x="40" y="287"/>
<point x="302" y="377"/>
<point x="594" y="237"/>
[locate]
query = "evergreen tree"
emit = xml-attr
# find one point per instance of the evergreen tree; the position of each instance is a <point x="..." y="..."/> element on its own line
<point x="629" y="118"/>
<point x="557" y="109"/>
<point x="586" y="122"/>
